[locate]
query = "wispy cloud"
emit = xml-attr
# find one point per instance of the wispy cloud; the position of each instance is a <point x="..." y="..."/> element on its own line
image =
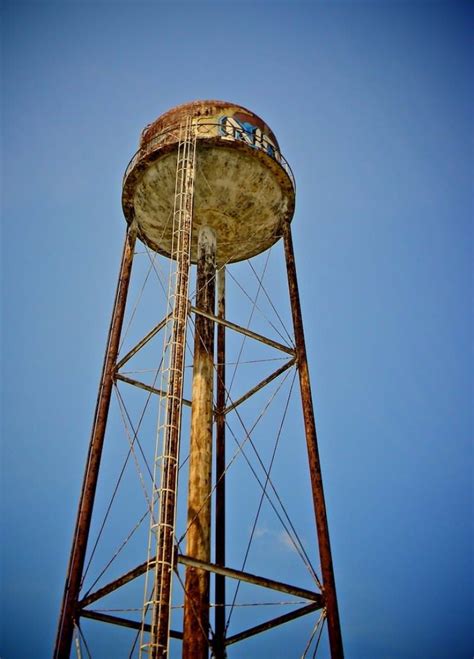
<point x="279" y="539"/>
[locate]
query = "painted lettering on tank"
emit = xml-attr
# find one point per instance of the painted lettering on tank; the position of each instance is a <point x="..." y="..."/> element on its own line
<point x="231" y="128"/>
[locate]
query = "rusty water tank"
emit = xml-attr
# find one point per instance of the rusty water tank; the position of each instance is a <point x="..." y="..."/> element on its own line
<point x="244" y="189"/>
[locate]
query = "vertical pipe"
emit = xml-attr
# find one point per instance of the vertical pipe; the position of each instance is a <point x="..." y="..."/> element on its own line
<point x="196" y="603"/>
<point x="79" y="545"/>
<point x="219" y="643"/>
<point x="329" y="585"/>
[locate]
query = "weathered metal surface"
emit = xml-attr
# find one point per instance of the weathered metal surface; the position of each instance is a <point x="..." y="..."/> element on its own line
<point x="244" y="188"/>
<point x="86" y="502"/>
<point x="329" y="584"/>
<point x="220" y="612"/>
<point x="198" y="541"/>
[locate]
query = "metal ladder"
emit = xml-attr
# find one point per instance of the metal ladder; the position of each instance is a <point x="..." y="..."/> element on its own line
<point x="163" y="502"/>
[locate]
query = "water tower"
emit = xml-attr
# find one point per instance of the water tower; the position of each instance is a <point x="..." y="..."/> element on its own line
<point x="207" y="188"/>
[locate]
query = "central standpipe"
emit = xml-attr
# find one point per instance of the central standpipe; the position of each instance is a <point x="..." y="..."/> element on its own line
<point x="196" y="603"/>
<point x="220" y="613"/>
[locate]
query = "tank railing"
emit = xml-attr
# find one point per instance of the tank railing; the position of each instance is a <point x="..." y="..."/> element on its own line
<point x="238" y="134"/>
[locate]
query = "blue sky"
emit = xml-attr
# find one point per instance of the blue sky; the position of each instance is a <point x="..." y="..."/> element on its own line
<point x="372" y="104"/>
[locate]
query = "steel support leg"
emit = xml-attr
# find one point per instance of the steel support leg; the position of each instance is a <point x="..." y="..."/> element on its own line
<point x="79" y="545"/>
<point x="329" y="585"/>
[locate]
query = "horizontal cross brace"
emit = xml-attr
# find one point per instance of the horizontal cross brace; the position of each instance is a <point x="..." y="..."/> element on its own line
<point x="317" y="598"/>
<point x="146" y="387"/>
<point x="252" y="578"/>
<point x="143" y="342"/>
<point x="117" y="583"/>
<point x="123" y="622"/>
<point x="244" y="331"/>
<point x="259" y="386"/>
<point x="247" y="633"/>
<point x="270" y="624"/>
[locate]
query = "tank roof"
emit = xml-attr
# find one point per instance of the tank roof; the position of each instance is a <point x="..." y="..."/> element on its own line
<point x="200" y="108"/>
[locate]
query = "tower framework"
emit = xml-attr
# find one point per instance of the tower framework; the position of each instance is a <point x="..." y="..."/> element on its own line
<point x="208" y="187"/>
